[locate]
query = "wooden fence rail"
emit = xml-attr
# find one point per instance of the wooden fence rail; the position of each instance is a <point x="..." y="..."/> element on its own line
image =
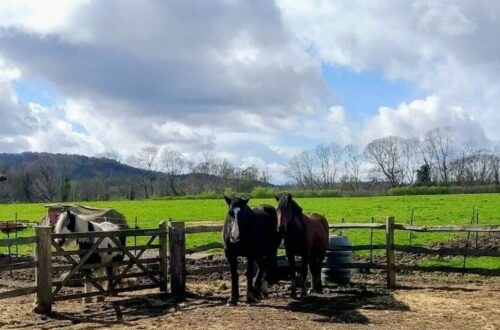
<point x="172" y="242"/>
<point x="178" y="248"/>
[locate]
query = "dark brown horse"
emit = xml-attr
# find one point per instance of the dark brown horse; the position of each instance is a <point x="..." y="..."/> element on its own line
<point x="305" y="235"/>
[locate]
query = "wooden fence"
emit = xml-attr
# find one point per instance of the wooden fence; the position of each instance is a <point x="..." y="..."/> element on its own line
<point x="177" y="245"/>
<point x="51" y="259"/>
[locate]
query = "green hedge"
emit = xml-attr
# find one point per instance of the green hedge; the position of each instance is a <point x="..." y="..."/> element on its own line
<point x="442" y="190"/>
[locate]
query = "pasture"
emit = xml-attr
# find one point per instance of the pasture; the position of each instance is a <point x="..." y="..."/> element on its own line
<point x="427" y="210"/>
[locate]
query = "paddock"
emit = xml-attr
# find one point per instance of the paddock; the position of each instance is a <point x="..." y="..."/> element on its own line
<point x="189" y="289"/>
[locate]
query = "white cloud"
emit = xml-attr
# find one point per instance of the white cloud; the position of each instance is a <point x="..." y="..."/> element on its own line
<point x="243" y="79"/>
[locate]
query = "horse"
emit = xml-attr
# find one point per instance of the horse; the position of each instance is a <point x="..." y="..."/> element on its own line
<point x="305" y="235"/>
<point x="68" y="222"/>
<point x="251" y="233"/>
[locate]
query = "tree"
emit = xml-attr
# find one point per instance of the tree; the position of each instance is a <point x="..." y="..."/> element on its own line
<point x="352" y="164"/>
<point x="172" y="164"/>
<point x="65" y="189"/>
<point x="328" y="158"/>
<point x="424" y="175"/>
<point x="146" y="159"/>
<point x="439" y="146"/>
<point x="386" y="154"/>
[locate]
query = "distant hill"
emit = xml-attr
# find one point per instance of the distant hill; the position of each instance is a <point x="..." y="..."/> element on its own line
<point x="74" y="166"/>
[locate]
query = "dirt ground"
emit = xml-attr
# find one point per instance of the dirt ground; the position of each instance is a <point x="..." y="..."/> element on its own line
<point x="422" y="302"/>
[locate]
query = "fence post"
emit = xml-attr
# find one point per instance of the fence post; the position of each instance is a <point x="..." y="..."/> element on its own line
<point x="163" y="257"/>
<point x="43" y="256"/>
<point x="391" y="261"/>
<point x="177" y="243"/>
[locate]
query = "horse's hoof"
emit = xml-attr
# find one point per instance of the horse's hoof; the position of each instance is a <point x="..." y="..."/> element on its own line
<point x="100" y="299"/>
<point x="232" y="302"/>
<point x="252" y="301"/>
<point x="87" y="300"/>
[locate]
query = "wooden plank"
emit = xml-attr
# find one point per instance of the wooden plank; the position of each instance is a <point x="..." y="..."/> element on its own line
<point x="391" y="259"/>
<point x="177" y="245"/>
<point x="19" y="265"/>
<point x="80" y="295"/>
<point x="136" y="288"/>
<point x="128" y="267"/>
<point x="105" y="278"/>
<point x="105" y="250"/>
<point x="449" y="251"/>
<point x="136" y="260"/>
<point x="80" y="264"/>
<point x="18" y="292"/>
<point x="163" y="251"/>
<point x="206" y="247"/>
<point x="450" y="228"/>
<point x="118" y="233"/>
<point x="43" y="273"/>
<point x="203" y="229"/>
<point x="62" y="268"/>
<point x="17" y="241"/>
<point x="357" y="226"/>
<point x="449" y="269"/>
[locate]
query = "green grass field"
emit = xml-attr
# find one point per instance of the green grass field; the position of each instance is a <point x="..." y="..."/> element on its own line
<point x="429" y="210"/>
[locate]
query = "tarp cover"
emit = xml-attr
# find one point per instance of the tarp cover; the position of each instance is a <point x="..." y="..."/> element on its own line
<point x="89" y="214"/>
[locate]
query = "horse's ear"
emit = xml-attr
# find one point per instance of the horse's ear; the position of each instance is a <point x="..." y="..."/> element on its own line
<point x="276" y="197"/>
<point x="289" y="197"/>
<point x="228" y="200"/>
<point x="245" y="200"/>
<point x="68" y="212"/>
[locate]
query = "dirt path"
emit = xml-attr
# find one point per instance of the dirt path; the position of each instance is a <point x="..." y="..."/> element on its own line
<point x="451" y="302"/>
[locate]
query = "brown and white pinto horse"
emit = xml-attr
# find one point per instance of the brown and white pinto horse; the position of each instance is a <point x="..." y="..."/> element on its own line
<point x="305" y="235"/>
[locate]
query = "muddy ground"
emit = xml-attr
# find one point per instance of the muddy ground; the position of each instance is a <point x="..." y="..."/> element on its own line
<point x="422" y="301"/>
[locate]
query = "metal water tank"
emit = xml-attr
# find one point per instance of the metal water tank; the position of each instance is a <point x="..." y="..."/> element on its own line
<point x="333" y="270"/>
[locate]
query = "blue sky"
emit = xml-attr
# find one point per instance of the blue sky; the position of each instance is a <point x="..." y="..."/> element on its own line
<point x="362" y="93"/>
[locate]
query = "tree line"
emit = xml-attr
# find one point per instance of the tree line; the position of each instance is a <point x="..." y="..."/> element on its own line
<point x="439" y="157"/>
<point x="151" y="172"/>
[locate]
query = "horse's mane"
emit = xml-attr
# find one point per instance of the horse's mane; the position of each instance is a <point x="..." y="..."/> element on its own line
<point x="284" y="202"/>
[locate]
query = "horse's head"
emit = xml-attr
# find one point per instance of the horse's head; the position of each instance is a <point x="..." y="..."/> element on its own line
<point x="237" y="207"/>
<point x="66" y="223"/>
<point x="284" y="211"/>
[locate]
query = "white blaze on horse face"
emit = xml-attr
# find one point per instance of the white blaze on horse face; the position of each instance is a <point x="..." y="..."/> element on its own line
<point x="61" y="228"/>
<point x="235" y="231"/>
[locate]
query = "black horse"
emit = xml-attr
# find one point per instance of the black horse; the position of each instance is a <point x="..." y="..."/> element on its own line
<point x="251" y="233"/>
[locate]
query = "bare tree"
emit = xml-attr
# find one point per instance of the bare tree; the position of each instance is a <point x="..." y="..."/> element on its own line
<point x="328" y="158"/>
<point x="46" y="180"/>
<point x="410" y="159"/>
<point x="352" y="164"/>
<point x="172" y="164"/>
<point x="439" y="146"/>
<point x="146" y="159"/>
<point x="386" y="154"/>
<point x="301" y="170"/>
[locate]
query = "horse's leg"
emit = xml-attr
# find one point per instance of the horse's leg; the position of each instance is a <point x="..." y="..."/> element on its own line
<point x="258" y="287"/>
<point x="100" y="273"/>
<point x="249" y="275"/>
<point x="315" y="269"/>
<point x="291" y="266"/>
<point x="235" y="290"/>
<point x="303" y="273"/>
<point x="88" y="289"/>
<point x="110" y="273"/>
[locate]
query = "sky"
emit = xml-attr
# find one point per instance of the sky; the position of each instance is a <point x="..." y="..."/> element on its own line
<point x="255" y="82"/>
